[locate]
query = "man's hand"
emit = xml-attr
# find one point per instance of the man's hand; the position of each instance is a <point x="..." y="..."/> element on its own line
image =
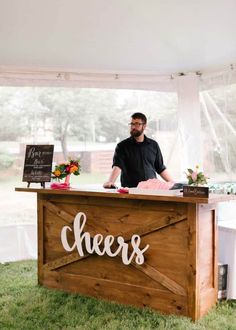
<point x="109" y="185"/>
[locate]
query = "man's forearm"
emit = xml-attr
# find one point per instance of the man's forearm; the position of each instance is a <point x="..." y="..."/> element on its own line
<point x="166" y="176"/>
<point x="113" y="176"/>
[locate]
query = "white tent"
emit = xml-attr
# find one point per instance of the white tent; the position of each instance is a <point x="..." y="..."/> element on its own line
<point x="98" y="37"/>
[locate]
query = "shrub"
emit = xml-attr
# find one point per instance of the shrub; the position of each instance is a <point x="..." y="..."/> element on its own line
<point x="6" y="160"/>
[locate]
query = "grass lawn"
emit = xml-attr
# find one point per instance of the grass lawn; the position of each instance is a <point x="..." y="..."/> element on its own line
<point x="25" y="305"/>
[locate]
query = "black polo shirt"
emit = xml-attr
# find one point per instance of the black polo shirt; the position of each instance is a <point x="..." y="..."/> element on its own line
<point x="138" y="161"/>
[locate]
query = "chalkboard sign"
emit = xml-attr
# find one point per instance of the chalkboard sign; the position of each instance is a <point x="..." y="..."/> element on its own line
<point x="195" y="191"/>
<point x="38" y="164"/>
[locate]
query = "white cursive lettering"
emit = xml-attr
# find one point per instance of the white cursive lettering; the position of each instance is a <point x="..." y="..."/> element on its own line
<point x="95" y="245"/>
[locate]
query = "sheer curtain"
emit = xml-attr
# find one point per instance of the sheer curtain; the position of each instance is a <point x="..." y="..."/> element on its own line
<point x="207" y="123"/>
<point x="218" y="124"/>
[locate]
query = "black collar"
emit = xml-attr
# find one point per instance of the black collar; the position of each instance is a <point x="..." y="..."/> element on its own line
<point x="146" y="140"/>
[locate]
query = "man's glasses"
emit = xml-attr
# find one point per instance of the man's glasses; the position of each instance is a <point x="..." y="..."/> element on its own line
<point x="135" y="124"/>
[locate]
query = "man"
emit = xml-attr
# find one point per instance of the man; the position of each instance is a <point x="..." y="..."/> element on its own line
<point x="137" y="158"/>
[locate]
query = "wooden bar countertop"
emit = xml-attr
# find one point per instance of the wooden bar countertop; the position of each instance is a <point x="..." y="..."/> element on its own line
<point x="112" y="193"/>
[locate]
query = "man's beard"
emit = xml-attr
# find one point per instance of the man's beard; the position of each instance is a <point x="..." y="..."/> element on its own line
<point x="136" y="134"/>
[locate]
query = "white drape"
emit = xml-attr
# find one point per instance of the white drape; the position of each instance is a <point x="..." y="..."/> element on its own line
<point x="218" y="104"/>
<point x="18" y="242"/>
<point x="189" y="120"/>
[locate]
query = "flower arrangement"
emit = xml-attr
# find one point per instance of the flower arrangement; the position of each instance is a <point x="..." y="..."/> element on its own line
<point x="196" y="178"/>
<point x="67" y="168"/>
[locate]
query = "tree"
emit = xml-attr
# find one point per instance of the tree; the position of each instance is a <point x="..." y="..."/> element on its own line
<point x="62" y="106"/>
<point x="10" y="116"/>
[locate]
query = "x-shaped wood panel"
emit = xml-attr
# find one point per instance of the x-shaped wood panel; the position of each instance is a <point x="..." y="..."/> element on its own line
<point x="148" y="228"/>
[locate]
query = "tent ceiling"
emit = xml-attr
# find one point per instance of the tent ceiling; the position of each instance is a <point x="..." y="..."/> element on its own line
<point x="155" y="36"/>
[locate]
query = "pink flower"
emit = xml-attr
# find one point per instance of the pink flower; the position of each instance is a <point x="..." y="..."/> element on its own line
<point x="194" y="176"/>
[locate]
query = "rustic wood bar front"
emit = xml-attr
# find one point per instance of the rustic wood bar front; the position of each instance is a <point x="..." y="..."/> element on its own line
<point x="171" y="262"/>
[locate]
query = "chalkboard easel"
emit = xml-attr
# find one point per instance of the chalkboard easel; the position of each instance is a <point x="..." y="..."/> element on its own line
<point x="38" y="164"/>
<point x="41" y="183"/>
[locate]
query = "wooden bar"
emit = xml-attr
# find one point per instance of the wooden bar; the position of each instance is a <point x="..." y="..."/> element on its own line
<point x="179" y="273"/>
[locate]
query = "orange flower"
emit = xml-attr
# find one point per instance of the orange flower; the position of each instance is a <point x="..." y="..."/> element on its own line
<point x="73" y="169"/>
<point x="57" y="173"/>
<point x="63" y="169"/>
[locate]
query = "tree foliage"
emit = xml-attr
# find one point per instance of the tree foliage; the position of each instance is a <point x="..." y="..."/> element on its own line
<point x="85" y="115"/>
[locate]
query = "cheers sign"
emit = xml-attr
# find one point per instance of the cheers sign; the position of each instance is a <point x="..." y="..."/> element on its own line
<point x="102" y="245"/>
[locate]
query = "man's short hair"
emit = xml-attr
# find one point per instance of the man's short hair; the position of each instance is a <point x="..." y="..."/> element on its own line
<point x="139" y="115"/>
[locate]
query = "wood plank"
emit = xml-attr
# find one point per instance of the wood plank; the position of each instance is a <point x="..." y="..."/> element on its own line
<point x="40" y="238"/>
<point x="206" y="301"/>
<point x="216" y="251"/>
<point x="76" y="201"/>
<point x="159" y="221"/>
<point x="161" y="278"/>
<point x="111" y="269"/>
<point x="64" y="261"/>
<point x="155" y="225"/>
<point x="192" y="263"/>
<point x="168" y="251"/>
<point x="65" y="216"/>
<point x="117" y="291"/>
<point x="213" y="198"/>
<point x="207" y="263"/>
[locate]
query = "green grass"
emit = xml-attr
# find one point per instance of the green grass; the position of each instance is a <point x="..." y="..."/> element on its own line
<point x="25" y="305"/>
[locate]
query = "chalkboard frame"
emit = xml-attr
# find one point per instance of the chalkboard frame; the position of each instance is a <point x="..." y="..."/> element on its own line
<point x="38" y="163"/>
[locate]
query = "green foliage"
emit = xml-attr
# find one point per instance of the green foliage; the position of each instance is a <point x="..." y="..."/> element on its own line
<point x="25" y="305"/>
<point x="196" y="178"/>
<point x="6" y="160"/>
<point x="84" y="113"/>
<point x="64" y="169"/>
<point x="10" y="114"/>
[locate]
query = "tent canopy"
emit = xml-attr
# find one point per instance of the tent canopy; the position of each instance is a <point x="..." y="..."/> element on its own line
<point x="129" y="36"/>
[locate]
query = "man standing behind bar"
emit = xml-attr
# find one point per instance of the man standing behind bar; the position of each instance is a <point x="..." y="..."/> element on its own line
<point x="137" y="158"/>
